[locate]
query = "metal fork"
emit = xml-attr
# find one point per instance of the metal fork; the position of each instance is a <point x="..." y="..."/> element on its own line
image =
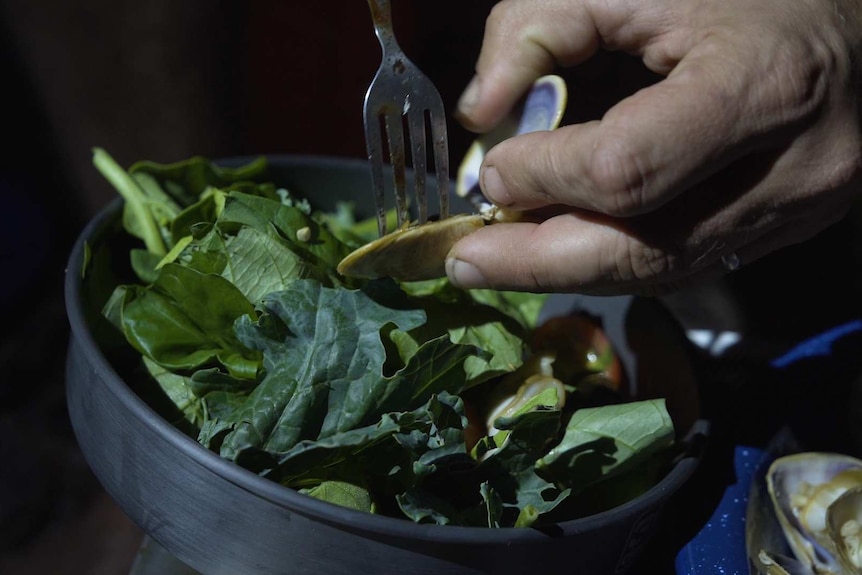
<point x="398" y="90"/>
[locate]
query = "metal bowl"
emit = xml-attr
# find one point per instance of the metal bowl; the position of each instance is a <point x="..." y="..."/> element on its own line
<point x="219" y="518"/>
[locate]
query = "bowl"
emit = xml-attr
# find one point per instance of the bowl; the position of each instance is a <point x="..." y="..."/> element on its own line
<point x="220" y="518"/>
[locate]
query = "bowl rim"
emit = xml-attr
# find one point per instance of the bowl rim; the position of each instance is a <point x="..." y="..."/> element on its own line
<point x="290" y="499"/>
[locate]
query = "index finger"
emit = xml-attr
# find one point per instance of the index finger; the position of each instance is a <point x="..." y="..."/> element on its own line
<point x="523" y="41"/>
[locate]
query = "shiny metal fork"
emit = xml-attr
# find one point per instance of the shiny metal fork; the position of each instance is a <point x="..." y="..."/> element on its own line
<point x="400" y="90"/>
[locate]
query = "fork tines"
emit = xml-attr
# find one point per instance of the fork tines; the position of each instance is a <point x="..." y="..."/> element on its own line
<point x="393" y="124"/>
<point x="400" y="95"/>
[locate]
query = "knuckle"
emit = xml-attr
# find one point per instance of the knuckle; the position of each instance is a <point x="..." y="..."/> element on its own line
<point x="635" y="261"/>
<point x="619" y="179"/>
<point x="539" y="268"/>
<point x="500" y="16"/>
<point x="801" y="77"/>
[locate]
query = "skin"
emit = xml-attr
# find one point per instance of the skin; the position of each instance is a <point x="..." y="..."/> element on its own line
<point x="751" y="141"/>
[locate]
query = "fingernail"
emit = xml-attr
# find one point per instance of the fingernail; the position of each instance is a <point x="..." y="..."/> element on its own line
<point x="494" y="188"/>
<point x="470" y="97"/>
<point x="464" y="275"/>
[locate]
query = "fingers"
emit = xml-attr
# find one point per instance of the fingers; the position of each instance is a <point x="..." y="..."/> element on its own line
<point x="565" y="253"/>
<point x="525" y="39"/>
<point x="570" y="254"/>
<point x="645" y="151"/>
<point x="591" y="254"/>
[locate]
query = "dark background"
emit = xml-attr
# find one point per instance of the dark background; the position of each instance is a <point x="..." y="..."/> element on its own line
<point x="164" y="80"/>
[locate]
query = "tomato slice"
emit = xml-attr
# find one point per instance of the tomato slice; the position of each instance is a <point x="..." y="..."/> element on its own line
<point x="581" y="347"/>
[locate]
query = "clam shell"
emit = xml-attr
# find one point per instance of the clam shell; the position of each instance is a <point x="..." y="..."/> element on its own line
<point x="775" y="564"/>
<point x="844" y="523"/>
<point x="410" y="254"/>
<point x="802" y="487"/>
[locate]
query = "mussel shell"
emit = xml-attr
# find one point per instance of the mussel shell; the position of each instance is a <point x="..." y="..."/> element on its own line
<point x="787" y="478"/>
<point x="410" y="254"/>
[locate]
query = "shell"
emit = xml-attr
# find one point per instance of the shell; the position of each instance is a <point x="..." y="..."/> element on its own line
<point x="775" y="564"/>
<point x="542" y="110"/>
<point x="844" y="524"/>
<point x="803" y="488"/>
<point x="517" y="387"/>
<point x="410" y="254"/>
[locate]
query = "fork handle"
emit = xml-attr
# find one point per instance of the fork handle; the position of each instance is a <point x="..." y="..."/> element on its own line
<point x="381" y="14"/>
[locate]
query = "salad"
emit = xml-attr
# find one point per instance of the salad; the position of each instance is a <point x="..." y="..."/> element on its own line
<point x="408" y="399"/>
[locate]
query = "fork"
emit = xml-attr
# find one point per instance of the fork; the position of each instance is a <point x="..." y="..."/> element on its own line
<point x="399" y="90"/>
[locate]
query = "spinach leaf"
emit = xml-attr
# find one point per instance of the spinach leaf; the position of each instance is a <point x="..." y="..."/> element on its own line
<point x="184" y="182"/>
<point x="321" y="249"/>
<point x="602" y="442"/>
<point x="179" y="390"/>
<point x="258" y="263"/>
<point x="185" y="320"/>
<point x="344" y="494"/>
<point x="323" y="352"/>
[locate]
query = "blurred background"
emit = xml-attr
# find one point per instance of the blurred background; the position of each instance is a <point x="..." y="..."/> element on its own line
<point x="164" y="80"/>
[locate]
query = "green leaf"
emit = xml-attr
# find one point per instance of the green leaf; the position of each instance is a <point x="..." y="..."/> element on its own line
<point x="534" y="494"/>
<point x="343" y="494"/>
<point x="529" y="437"/>
<point x="184" y="182"/>
<point x="207" y="254"/>
<point x="160" y="205"/>
<point x="497" y="339"/>
<point x="206" y="381"/>
<point x="179" y="391"/>
<point x="329" y="341"/>
<point x="204" y="210"/>
<point x="258" y="263"/>
<point x="145" y="264"/>
<point x="522" y="306"/>
<point x="422" y="506"/>
<point x="268" y="216"/>
<point x="441" y="445"/>
<point x="368" y="454"/>
<point x="185" y="321"/>
<point x="527" y="517"/>
<point x="138" y="219"/>
<point x="172" y="255"/>
<point x="605" y="441"/>
<point x="263" y="418"/>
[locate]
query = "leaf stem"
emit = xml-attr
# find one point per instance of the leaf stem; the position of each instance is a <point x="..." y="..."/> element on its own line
<point x="131" y="192"/>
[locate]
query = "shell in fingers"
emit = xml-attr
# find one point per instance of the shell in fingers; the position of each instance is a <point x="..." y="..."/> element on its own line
<point x="410" y="254"/>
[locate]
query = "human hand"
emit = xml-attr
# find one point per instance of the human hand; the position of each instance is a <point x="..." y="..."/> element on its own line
<point x="750" y="143"/>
